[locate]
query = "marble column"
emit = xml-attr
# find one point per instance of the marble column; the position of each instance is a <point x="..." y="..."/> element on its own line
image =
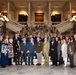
<point x="63" y="16"/>
<point x="70" y="9"/>
<point x="8" y="9"/>
<point x="29" y="13"/>
<point x="49" y="25"/>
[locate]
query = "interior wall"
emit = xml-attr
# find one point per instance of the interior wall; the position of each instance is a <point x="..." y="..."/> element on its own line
<point x="12" y="15"/>
<point x="33" y="16"/>
<point x="57" y="12"/>
<point x="64" y="15"/>
<point x="67" y="14"/>
<point x="20" y="12"/>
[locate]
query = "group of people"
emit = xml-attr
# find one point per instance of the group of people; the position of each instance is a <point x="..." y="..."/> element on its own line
<point x="23" y="47"/>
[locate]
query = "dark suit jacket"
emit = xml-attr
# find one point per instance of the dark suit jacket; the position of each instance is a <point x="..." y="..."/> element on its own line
<point x="23" y="47"/>
<point x="53" y="46"/>
<point x="54" y="52"/>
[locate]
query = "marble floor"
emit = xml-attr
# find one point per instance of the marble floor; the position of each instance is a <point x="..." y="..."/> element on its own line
<point x="37" y="70"/>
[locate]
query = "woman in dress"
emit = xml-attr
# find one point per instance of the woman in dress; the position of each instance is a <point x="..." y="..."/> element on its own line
<point x="4" y="54"/>
<point x="11" y="52"/>
<point x="64" y="52"/>
<point x="17" y="52"/>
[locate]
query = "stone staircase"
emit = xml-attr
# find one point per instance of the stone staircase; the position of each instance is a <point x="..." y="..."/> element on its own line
<point x="13" y="25"/>
<point x="64" y="26"/>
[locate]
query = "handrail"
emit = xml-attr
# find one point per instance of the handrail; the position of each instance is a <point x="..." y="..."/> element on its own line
<point x="16" y="23"/>
<point x="13" y="27"/>
<point x="64" y="21"/>
<point x="62" y="24"/>
<point x="65" y="28"/>
<point x="65" y="24"/>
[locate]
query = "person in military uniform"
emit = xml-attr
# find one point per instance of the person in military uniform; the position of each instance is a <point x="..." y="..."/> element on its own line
<point x="39" y="46"/>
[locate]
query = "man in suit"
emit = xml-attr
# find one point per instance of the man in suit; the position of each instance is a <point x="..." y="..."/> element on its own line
<point x="30" y="51"/>
<point x="70" y="51"/>
<point x="24" y="50"/>
<point x="15" y="39"/>
<point x="54" y="51"/>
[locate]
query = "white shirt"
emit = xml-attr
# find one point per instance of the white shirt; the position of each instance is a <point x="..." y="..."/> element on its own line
<point x="64" y="50"/>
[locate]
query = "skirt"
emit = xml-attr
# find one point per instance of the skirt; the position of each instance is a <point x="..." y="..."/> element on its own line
<point x="4" y="59"/>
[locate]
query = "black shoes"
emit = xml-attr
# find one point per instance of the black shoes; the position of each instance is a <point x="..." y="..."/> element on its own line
<point x="3" y="66"/>
<point x="28" y="64"/>
<point x="25" y="63"/>
<point x="38" y="64"/>
<point x="32" y="64"/>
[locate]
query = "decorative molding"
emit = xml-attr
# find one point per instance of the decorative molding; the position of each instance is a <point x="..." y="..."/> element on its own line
<point x="38" y="0"/>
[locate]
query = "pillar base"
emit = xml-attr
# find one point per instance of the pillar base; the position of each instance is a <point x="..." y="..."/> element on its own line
<point x="50" y="24"/>
<point x="28" y="24"/>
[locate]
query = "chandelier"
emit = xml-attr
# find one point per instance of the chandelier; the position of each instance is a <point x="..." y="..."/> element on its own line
<point x="73" y="19"/>
<point x="3" y="21"/>
<point x="74" y="24"/>
<point x="3" y="18"/>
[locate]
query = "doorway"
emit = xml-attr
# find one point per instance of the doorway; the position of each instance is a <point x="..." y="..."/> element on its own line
<point x="56" y="18"/>
<point x="22" y="18"/>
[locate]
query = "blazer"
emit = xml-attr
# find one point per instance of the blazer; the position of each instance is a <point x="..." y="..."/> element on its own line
<point x="31" y="48"/>
<point x="4" y="48"/>
<point x="70" y="48"/>
<point x="46" y="47"/>
<point x="39" y="46"/>
<point x="54" y="46"/>
<point x="23" y="47"/>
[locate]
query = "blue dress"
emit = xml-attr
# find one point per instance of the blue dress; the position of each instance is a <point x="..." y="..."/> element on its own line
<point x="4" y="58"/>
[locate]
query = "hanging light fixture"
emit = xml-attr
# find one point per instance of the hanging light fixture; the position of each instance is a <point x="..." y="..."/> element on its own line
<point x="73" y="19"/>
<point x="4" y="20"/>
<point x="74" y="24"/>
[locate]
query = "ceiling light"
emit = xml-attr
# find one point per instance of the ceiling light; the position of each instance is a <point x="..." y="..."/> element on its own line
<point x="0" y="13"/>
<point x="3" y="18"/>
<point x="73" y="19"/>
